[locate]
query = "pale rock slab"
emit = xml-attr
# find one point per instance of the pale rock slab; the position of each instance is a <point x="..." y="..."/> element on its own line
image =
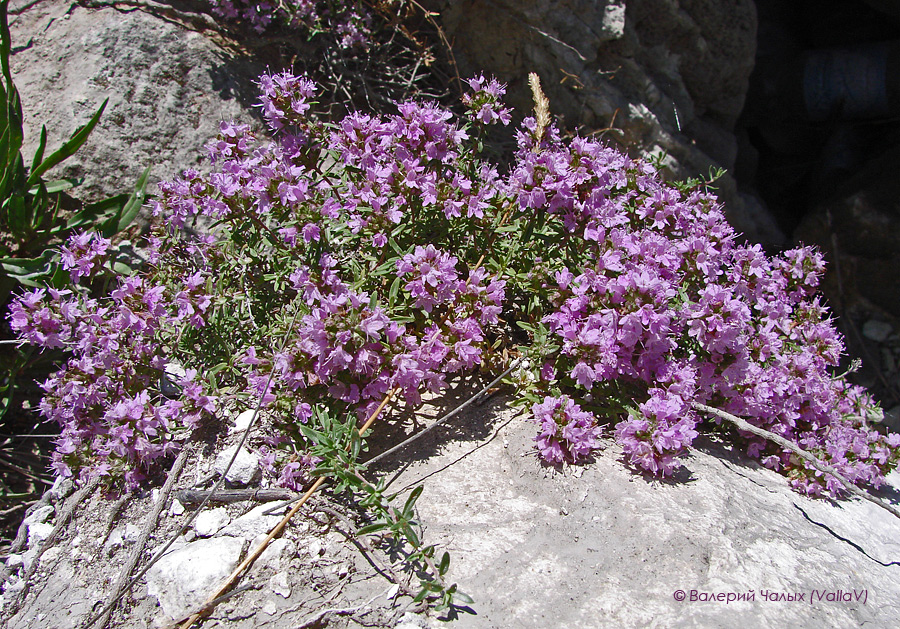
<point x="184" y="578"/>
<point x="252" y="523"/>
<point x="211" y="521"/>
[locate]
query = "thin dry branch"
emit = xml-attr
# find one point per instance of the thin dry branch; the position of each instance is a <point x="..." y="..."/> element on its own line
<point x="61" y="521"/>
<point x="803" y="454"/>
<point x="149" y="525"/>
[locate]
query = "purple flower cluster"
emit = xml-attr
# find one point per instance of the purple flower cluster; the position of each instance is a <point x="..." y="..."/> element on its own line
<point x="663" y="300"/>
<point x="84" y="254"/>
<point x="114" y="421"/>
<point x="350" y="352"/>
<point x="285" y="99"/>
<point x="485" y="102"/>
<point x="409" y="257"/>
<point x="567" y="432"/>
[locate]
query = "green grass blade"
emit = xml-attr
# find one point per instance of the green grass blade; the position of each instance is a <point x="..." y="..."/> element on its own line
<point x="69" y="147"/>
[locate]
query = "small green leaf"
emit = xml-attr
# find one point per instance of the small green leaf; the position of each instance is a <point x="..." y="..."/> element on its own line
<point x="444" y="564"/>
<point x="373" y="528"/>
<point x="462" y="597"/>
<point x="411" y="501"/>
<point x="39" y="153"/>
<point x="68" y="148"/>
<point x="57" y="185"/>
<point x="130" y="209"/>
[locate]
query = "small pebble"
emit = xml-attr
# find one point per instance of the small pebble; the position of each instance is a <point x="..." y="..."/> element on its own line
<point x="242" y="421"/>
<point x="279" y="584"/>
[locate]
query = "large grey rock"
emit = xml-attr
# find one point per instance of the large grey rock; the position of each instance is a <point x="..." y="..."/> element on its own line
<point x="590" y="546"/>
<point x="168" y="89"/>
<point x="603" y="546"/>
<point x="656" y="65"/>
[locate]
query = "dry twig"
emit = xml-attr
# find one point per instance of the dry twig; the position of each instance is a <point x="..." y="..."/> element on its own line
<point x="120" y="588"/>
<point x="803" y="454"/>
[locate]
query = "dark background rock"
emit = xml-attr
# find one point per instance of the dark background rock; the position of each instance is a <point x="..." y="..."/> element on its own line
<point x="671" y="77"/>
<point x="818" y="146"/>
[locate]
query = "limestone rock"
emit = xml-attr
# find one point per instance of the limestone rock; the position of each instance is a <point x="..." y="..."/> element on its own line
<point x="630" y="542"/>
<point x="211" y="521"/>
<point x="185" y="577"/>
<point x="242" y="421"/>
<point x="168" y="89"/>
<point x="39" y="515"/>
<point x="252" y="523"/>
<point x="243" y="471"/>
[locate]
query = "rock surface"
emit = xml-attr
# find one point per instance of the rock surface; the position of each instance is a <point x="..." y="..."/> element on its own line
<point x="168" y="89"/>
<point x="590" y="546"/>
<point x="603" y="546"/>
<point x="184" y="577"/>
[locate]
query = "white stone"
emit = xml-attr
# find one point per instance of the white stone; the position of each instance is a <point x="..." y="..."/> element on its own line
<point x="38" y="532"/>
<point x="314" y="548"/>
<point x="244" y="470"/>
<point x="177" y="508"/>
<point x="168" y="381"/>
<point x="182" y="579"/>
<point x="14" y="560"/>
<point x="279" y="584"/>
<point x="28" y="557"/>
<point x="252" y="523"/>
<point x="39" y="515"/>
<point x="209" y="522"/>
<point x="877" y="331"/>
<point x="61" y="488"/>
<point x="242" y="421"/>
<point x="132" y="532"/>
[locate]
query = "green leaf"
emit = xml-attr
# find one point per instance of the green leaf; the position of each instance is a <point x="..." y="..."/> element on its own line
<point x="16" y="215"/>
<point x="28" y="271"/>
<point x="411" y="501"/>
<point x="68" y="148"/>
<point x="462" y="597"/>
<point x="373" y="528"/>
<point x="444" y="564"/>
<point x="394" y="291"/>
<point x="126" y="215"/>
<point x="39" y="153"/>
<point x="57" y="185"/>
